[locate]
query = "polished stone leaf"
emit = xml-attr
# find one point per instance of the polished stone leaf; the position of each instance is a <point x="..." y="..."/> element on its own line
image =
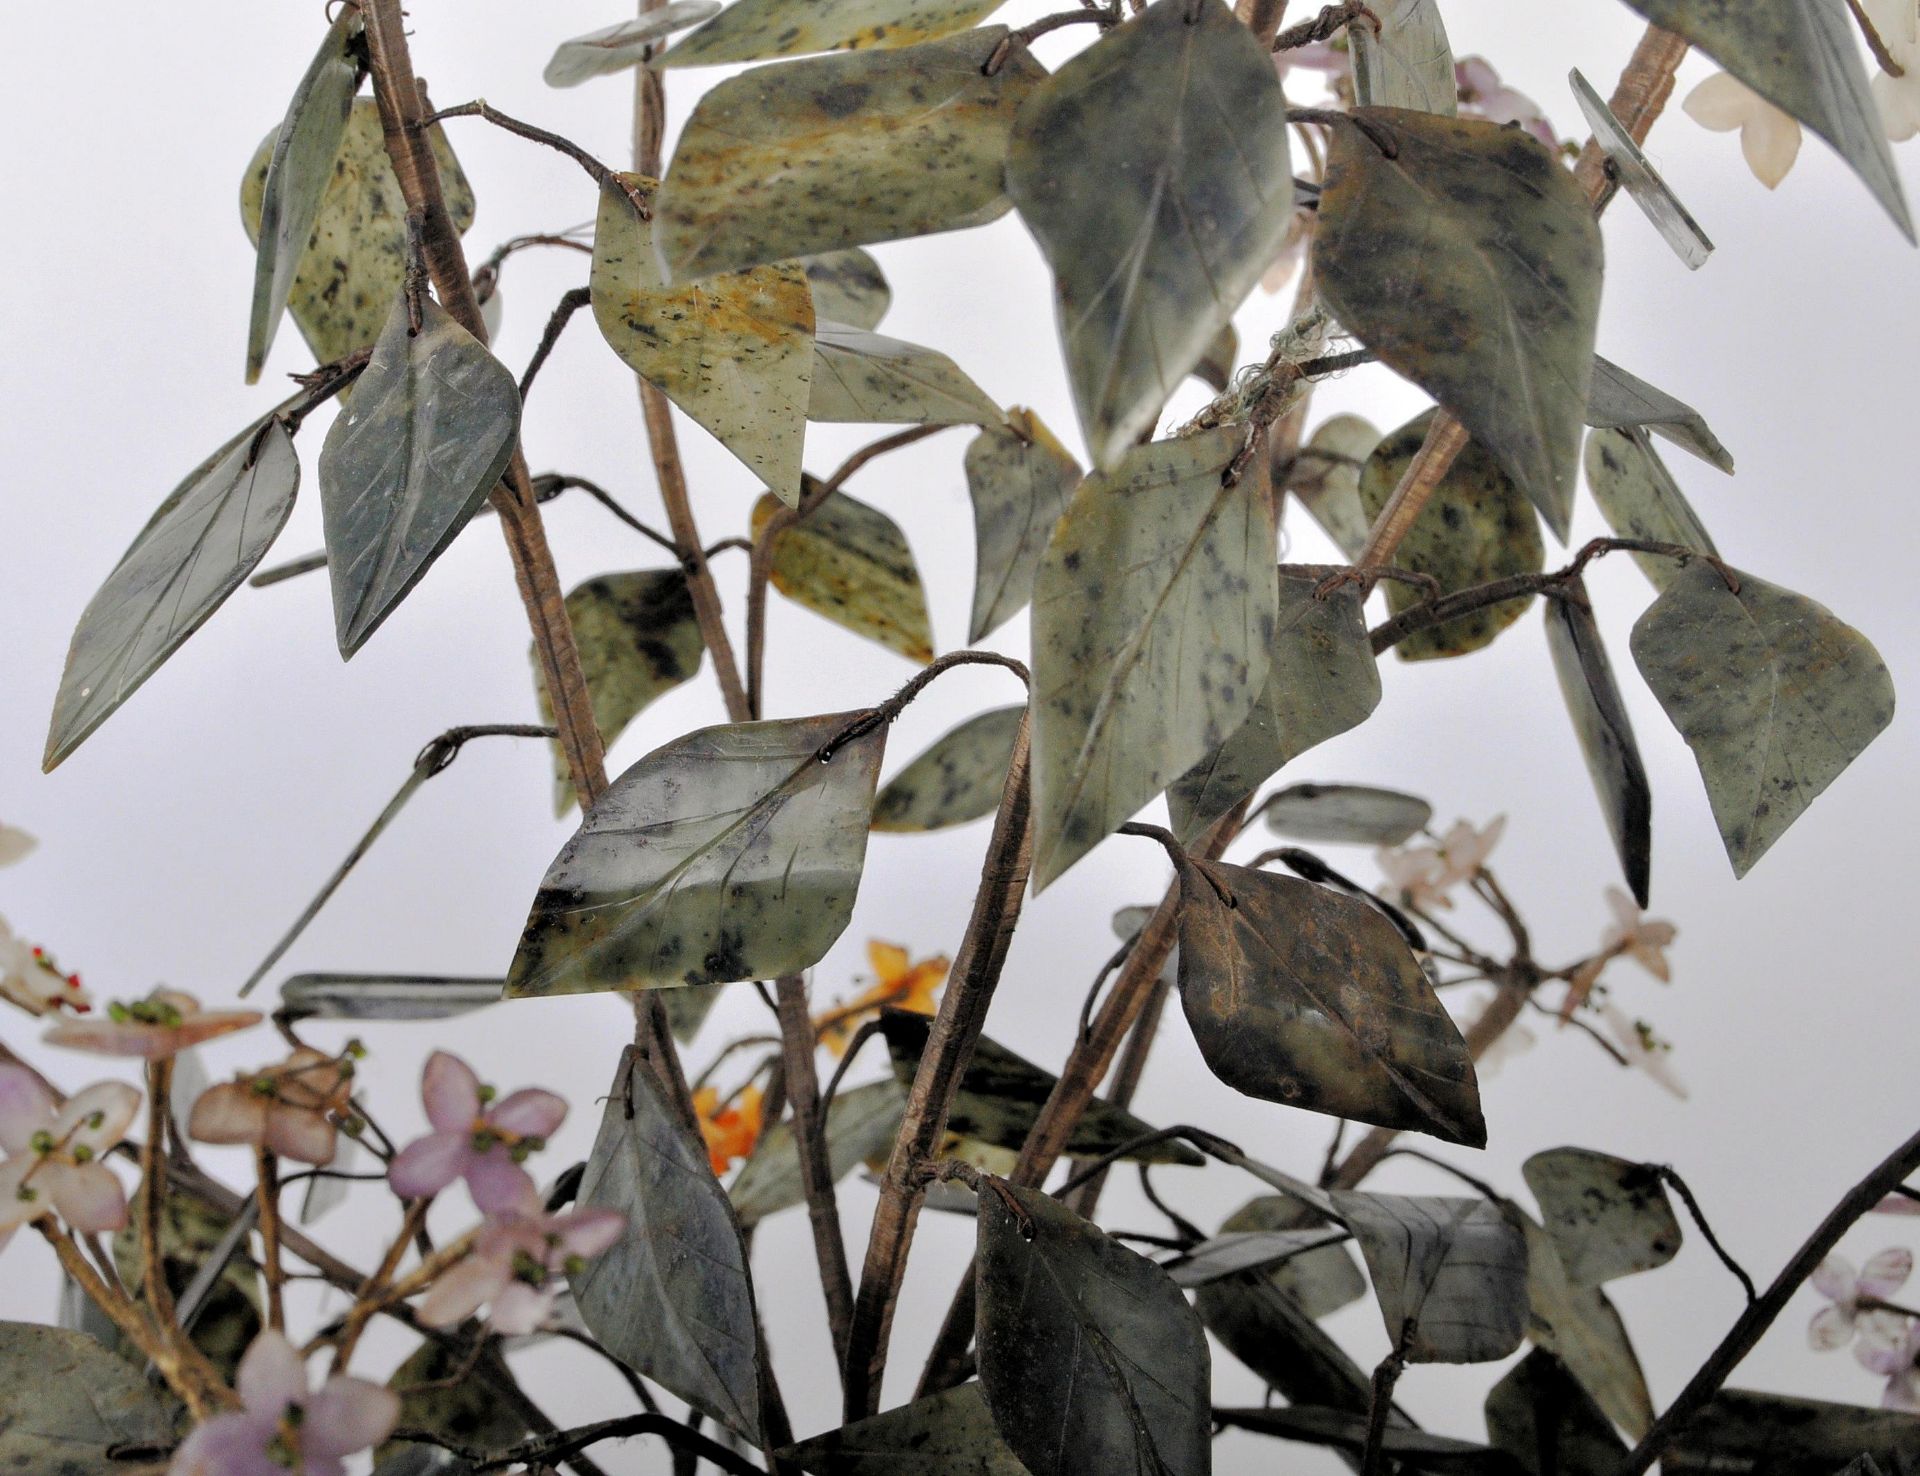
<point x="1318" y="1273"/>
<point x="1408" y="1449"/>
<point x="850" y="562"/>
<point x="1581" y="1327"/>
<point x="1774" y="695"/>
<point x="730" y="853"/>
<point x="196" y="549"/>
<point x="1304" y="995"/>
<point x="1633" y="169"/>
<point x="1804" y="58"/>
<point x="1325" y="476"/>
<point x="426" y="437"/>
<point x="1607" y="1216"/>
<point x="69" y="1407"/>
<point x="1215" y="369"/>
<point x="1470" y="263"/>
<point x="1020" y="479"/>
<point x="355" y="261"/>
<point x="810" y="156"/>
<point x="1779" y="1435"/>
<point x="1152" y="168"/>
<point x="439" y="1392"/>
<point x="1321" y="682"/>
<point x="734" y="350"/>
<point x="1346" y="814"/>
<point x="1476" y="528"/>
<point x="1268" y="1331"/>
<point x="1091" y="1361"/>
<point x="624" y="45"/>
<point x="1153" y="617"/>
<point x="848" y="287"/>
<point x="960" y="778"/>
<point x="1639" y="498"/>
<point x="638" y="639"/>
<point x="1456" y="1268"/>
<point x="1406" y="61"/>
<point x="759" y="30"/>
<point x="232" y="1312"/>
<point x="385" y="996"/>
<point x="672" y="1298"/>
<point x="1250" y="1250"/>
<point x="868" y="377"/>
<point x="861" y="1122"/>
<point x="1618" y="400"/>
<point x="945" y="1434"/>
<point x="298" y="172"/>
<point x="1541" y="1417"/>
<point x="1605" y="733"/>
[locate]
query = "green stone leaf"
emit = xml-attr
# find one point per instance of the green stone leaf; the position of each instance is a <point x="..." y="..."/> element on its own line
<point x="1633" y="169"/>
<point x="1325" y="476"/>
<point x="861" y="1123"/>
<point x="1605" y="732"/>
<point x="945" y="1434"/>
<point x="438" y="1392"/>
<point x="1618" y="400"/>
<point x="1152" y="169"/>
<point x="850" y="563"/>
<point x="1317" y="1274"/>
<point x="1346" y="814"/>
<point x="426" y="437"/>
<point x="355" y="261"/>
<point x="1304" y="995"/>
<point x="1411" y="1449"/>
<point x="624" y="45"/>
<point x="734" y="351"/>
<point x="868" y="377"/>
<point x="386" y="996"/>
<point x="638" y="639"/>
<point x="1607" y="1216"/>
<point x="1476" y="528"/>
<point x="1541" y="1417"/>
<point x="1406" y="62"/>
<point x="1216" y="366"/>
<point x="1091" y="1361"/>
<point x="1020" y="479"/>
<point x="848" y="287"/>
<point x="1639" y="498"/>
<point x="1803" y="57"/>
<point x="1779" y="1435"/>
<point x="809" y="156"/>
<point x="1470" y="263"/>
<point x="1321" y="682"/>
<point x="1153" y="617"/>
<point x="1457" y="1268"/>
<point x="298" y="173"/>
<point x="1773" y="694"/>
<point x="1580" y="1326"/>
<point x="688" y="1008"/>
<point x="197" y="548"/>
<point x="67" y="1405"/>
<point x="672" y="1298"/>
<point x="958" y="779"/>
<point x="232" y="1313"/>
<point x="733" y="852"/>
<point x="759" y="30"/>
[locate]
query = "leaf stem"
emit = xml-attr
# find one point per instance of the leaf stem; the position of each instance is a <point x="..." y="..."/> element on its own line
<point x="562" y="1445"/>
<point x="1671" y="1177"/>
<point x="569" y="304"/>
<point x="599" y="173"/>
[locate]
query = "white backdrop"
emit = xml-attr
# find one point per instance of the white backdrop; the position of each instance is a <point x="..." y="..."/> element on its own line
<point x="184" y="835"/>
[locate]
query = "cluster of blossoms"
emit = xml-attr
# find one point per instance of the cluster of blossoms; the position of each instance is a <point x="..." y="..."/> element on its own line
<point x="284" y="1425"/>
<point x="28" y="975"/>
<point x="54" y="1153"/>
<point x="1885" y="1338"/>
<point x="1419" y="877"/>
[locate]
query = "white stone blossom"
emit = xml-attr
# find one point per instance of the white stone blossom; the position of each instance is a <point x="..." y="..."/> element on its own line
<point x="1644" y="1050"/>
<point x="1641" y="938"/>
<point x="1769" y="138"/>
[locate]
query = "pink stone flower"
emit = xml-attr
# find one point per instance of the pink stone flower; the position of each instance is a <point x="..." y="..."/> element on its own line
<point x="1464" y="850"/>
<point x="1643" y="1049"/>
<point x="163" y="1024"/>
<point x="518" y="1265"/>
<point x="484" y="1144"/>
<point x="291" y="1109"/>
<point x="1643" y="939"/>
<point x="31" y="979"/>
<point x="1769" y="138"/>
<point x="283" y="1429"/>
<point x="1413" y="876"/>
<point x="53" y="1153"/>
<point x="15" y="844"/>
<point x="1897" y="1204"/>
<point x="1835" y="1279"/>
<point x="1894" y="1353"/>
<point x="1484" y="95"/>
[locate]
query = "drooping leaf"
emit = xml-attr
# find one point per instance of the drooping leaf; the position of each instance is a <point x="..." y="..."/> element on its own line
<point x="1541" y="1417"/>
<point x="385" y="996"/>
<point x="730" y="853"/>
<point x="1152" y="169"/>
<point x="1638" y="497"/>
<point x="1607" y="1216"/>
<point x="195" y="550"/>
<point x="1153" y="617"/>
<point x="848" y="287"/>
<point x="1774" y="695"/>
<point x="1346" y="814"/>
<point x="759" y="30"/>
<point x="945" y="1434"/>
<point x="958" y="779"/>
<point x="1409" y="1449"/>
<point x="862" y="376"/>
<point x="850" y="562"/>
<point x="1455" y="1268"/>
<point x="1304" y="995"/>
<point x="1020" y="479"/>
<point x="1476" y="528"/>
<point x="733" y="350"/>
<point x="1801" y="56"/>
<point x="439" y="1393"/>
<point x="1318" y="1275"/>
<point x="1321" y="681"/>
<point x="1325" y="476"/>
<point x="1250" y="1250"/>
<point x="355" y="261"/>
<point x="809" y="156"/>
<point x="1580" y="1327"/>
<point x="1779" y="1435"/>
<point x="1215" y="369"/>
<point x="623" y="45"/>
<point x="861" y="1122"/>
<point x="1406" y="62"/>
<point x="1633" y="169"/>
<point x="1470" y="263"/>
<point x="298" y="172"/>
<point x="428" y="432"/>
<point x="672" y="1298"/>
<point x="1091" y="1361"/>
<point x="68" y="1405"/>
<point x="1617" y="400"/>
<point x="1601" y="724"/>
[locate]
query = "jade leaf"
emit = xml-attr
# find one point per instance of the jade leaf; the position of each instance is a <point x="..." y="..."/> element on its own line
<point x="1346" y="814"/>
<point x="848" y="287"/>
<point x="1318" y="1273"/>
<point x="1325" y="476"/>
<point x="1020" y="479"/>
<point x="1618" y="400"/>
<point x="438" y="1392"/>
<point x="861" y="1122"/>
<point x="1268" y="1330"/>
<point x="1541" y="1417"/>
<point x="1581" y="1327"/>
<point x="759" y="30"/>
<point x="960" y="778"/>
<point x="862" y="376"/>
<point x="623" y="45"/>
<point x="1639" y="498"/>
<point x="1744" y="1430"/>
<point x="72" y="1407"/>
<point x="1405" y="61"/>
<point x="1633" y="169"/>
<point x="945" y="1434"/>
<point x="1215" y="369"/>
<point x="386" y="996"/>
<point x="850" y="562"/>
<point x="1607" y="1216"/>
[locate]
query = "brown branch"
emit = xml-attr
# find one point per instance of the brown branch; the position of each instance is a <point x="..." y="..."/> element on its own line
<point x="268" y="1171"/>
<point x="816" y="1170"/>
<point x="1446" y="438"/>
<point x="563" y="1445"/>
<point x="568" y="305"/>
<point x="1385" y="1376"/>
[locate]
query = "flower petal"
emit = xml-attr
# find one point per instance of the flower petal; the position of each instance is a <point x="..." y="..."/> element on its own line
<point x="1831" y="1328"/>
<point x="499" y="1185"/>
<point x="25" y="1107"/>
<point x="1721" y="103"/>
<point x="587" y="1232"/>
<point x="1885" y="1273"/>
<point x="87" y="1195"/>
<point x="271" y="1375"/>
<point x="299" y="1134"/>
<point x="461" y="1292"/>
<point x="451" y="1092"/>
<point x="228" y="1445"/>
<point x="98" y="1118"/>
<point x="15" y="844"/>
<point x="231" y="1112"/>
<point x="106" y="1037"/>
<point x="427" y="1165"/>
<point x="347" y="1415"/>
<point x="520" y="1308"/>
<point x="20" y="1204"/>
<point x="1835" y="1279"/>
<point x="530" y="1113"/>
<point x="1771" y="142"/>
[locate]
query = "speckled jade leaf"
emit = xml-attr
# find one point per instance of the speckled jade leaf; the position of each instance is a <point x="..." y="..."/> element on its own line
<point x="848" y="287"/>
<point x="1407" y="62"/>
<point x="638" y="639"/>
<point x="1580" y="1326"/>
<point x="850" y="563"/>
<point x="624" y="45"/>
<point x="1634" y="170"/>
<point x="809" y="156"/>
<point x="945" y="1434"/>
<point x="1252" y="1250"/>
<point x="425" y="438"/>
<point x="1539" y="1415"/>
<point x="1091" y="1361"/>
<point x="861" y="1122"/>
<point x="1153" y="615"/>
<point x="1745" y="1430"/>
<point x="1601" y="724"/>
<point x="1216" y="366"/>
<point x="386" y="996"/>
<point x="1773" y="694"/>
<point x="1325" y="476"/>
<point x="734" y="351"/>
<point x="355" y="261"/>
<point x="298" y="173"/>
<point x="1618" y="400"/>
<point x="208" y="535"/>
<point x="1152" y="168"/>
<point x="442" y="1395"/>
<point x="1318" y="1273"/>
<point x="1607" y="1216"/>
<point x="70" y="1405"/>
<point x="1020" y="479"/>
<point x="1476" y="528"/>
<point x="759" y="30"/>
<point x="956" y="780"/>
<point x="1639" y="498"/>
<point x="1804" y="58"/>
<point x="862" y="376"/>
<point x="1269" y="1331"/>
<point x="1320" y="682"/>
<point x="1470" y="263"/>
<point x="730" y="853"/>
<point x="1346" y="814"/>
<point x="1304" y="995"/>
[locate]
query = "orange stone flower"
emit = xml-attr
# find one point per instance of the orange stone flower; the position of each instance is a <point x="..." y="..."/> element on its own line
<point x="732" y="1130"/>
<point x="899" y="984"/>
